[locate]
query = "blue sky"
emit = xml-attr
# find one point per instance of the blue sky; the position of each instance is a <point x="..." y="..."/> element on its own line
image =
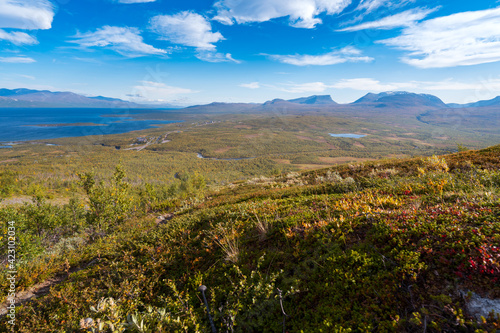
<point x="190" y="52"/>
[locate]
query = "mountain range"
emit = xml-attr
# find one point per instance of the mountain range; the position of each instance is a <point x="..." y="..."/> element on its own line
<point x="27" y="98"/>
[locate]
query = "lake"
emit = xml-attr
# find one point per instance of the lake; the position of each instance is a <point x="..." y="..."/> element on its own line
<point x="347" y="135"/>
<point x="18" y="124"/>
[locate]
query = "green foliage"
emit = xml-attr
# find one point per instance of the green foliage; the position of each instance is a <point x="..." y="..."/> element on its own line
<point x="8" y="183"/>
<point x="108" y="205"/>
<point x="42" y="217"/>
<point x="250" y="303"/>
<point x="154" y="198"/>
<point x="461" y="147"/>
<point x="363" y="247"/>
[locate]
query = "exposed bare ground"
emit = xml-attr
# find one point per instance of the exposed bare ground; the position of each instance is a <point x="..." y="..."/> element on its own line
<point x="414" y="140"/>
<point x="310" y="166"/>
<point x="317" y="139"/>
<point x="9" y="160"/>
<point x="42" y="288"/>
<point x="222" y="150"/>
<point x="26" y="199"/>
<point x="253" y="136"/>
<point x="281" y="161"/>
<point x="342" y="159"/>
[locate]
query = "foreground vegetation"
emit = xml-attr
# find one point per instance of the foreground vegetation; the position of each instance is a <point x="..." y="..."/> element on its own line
<point x="397" y="245"/>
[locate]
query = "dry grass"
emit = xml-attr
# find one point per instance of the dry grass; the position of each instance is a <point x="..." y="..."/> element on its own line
<point x="262" y="227"/>
<point x="227" y="239"/>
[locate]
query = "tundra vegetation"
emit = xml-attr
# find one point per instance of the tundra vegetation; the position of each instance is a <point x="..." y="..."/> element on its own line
<point x="389" y="245"/>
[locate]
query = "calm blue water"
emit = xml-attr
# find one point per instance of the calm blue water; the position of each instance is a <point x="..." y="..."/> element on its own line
<point x="347" y="135"/>
<point x="20" y="124"/>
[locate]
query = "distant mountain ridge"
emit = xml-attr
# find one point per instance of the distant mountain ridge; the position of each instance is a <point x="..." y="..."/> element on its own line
<point x="29" y="98"/>
<point x="401" y="98"/>
<point x="26" y="98"/>
<point x="484" y="103"/>
<point x="314" y="99"/>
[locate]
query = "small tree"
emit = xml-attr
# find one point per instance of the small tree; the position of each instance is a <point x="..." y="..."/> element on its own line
<point x="192" y="184"/>
<point x="108" y="205"/>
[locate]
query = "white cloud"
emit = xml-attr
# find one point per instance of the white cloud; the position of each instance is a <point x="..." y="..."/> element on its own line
<point x="251" y="85"/>
<point x="191" y="29"/>
<point x="373" y="85"/>
<point x="186" y="28"/>
<point x="17" y="38"/>
<point x="491" y="85"/>
<point x="124" y="40"/>
<point x="17" y="60"/>
<point x="212" y="56"/>
<point x="134" y="1"/>
<point x="27" y="76"/>
<point x="404" y="19"/>
<point x="150" y="91"/>
<point x="370" y="5"/>
<point x="301" y="13"/>
<point x="444" y="85"/>
<point x="310" y="87"/>
<point x="347" y="54"/>
<point x="364" y="84"/>
<point x="461" y="39"/>
<point x="26" y="14"/>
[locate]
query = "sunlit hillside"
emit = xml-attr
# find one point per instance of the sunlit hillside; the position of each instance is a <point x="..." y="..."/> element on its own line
<point x="400" y="245"/>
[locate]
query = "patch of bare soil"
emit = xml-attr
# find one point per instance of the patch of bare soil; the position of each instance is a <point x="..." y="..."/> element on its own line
<point x="222" y="150"/>
<point x="41" y="288"/>
<point x="281" y="161"/>
<point x="27" y="199"/>
<point x="304" y="138"/>
<point x="342" y="159"/>
<point x="253" y="136"/>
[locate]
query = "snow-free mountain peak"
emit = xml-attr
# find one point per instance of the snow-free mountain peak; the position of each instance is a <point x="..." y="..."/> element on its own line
<point x="401" y="98"/>
<point x="315" y="99"/>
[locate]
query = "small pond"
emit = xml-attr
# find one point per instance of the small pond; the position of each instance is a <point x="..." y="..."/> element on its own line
<point x="347" y="135"/>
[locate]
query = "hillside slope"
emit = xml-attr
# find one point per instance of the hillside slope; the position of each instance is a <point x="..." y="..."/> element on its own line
<point x="380" y="246"/>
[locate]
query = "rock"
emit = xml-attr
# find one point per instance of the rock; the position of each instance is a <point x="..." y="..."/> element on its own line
<point x="478" y="306"/>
